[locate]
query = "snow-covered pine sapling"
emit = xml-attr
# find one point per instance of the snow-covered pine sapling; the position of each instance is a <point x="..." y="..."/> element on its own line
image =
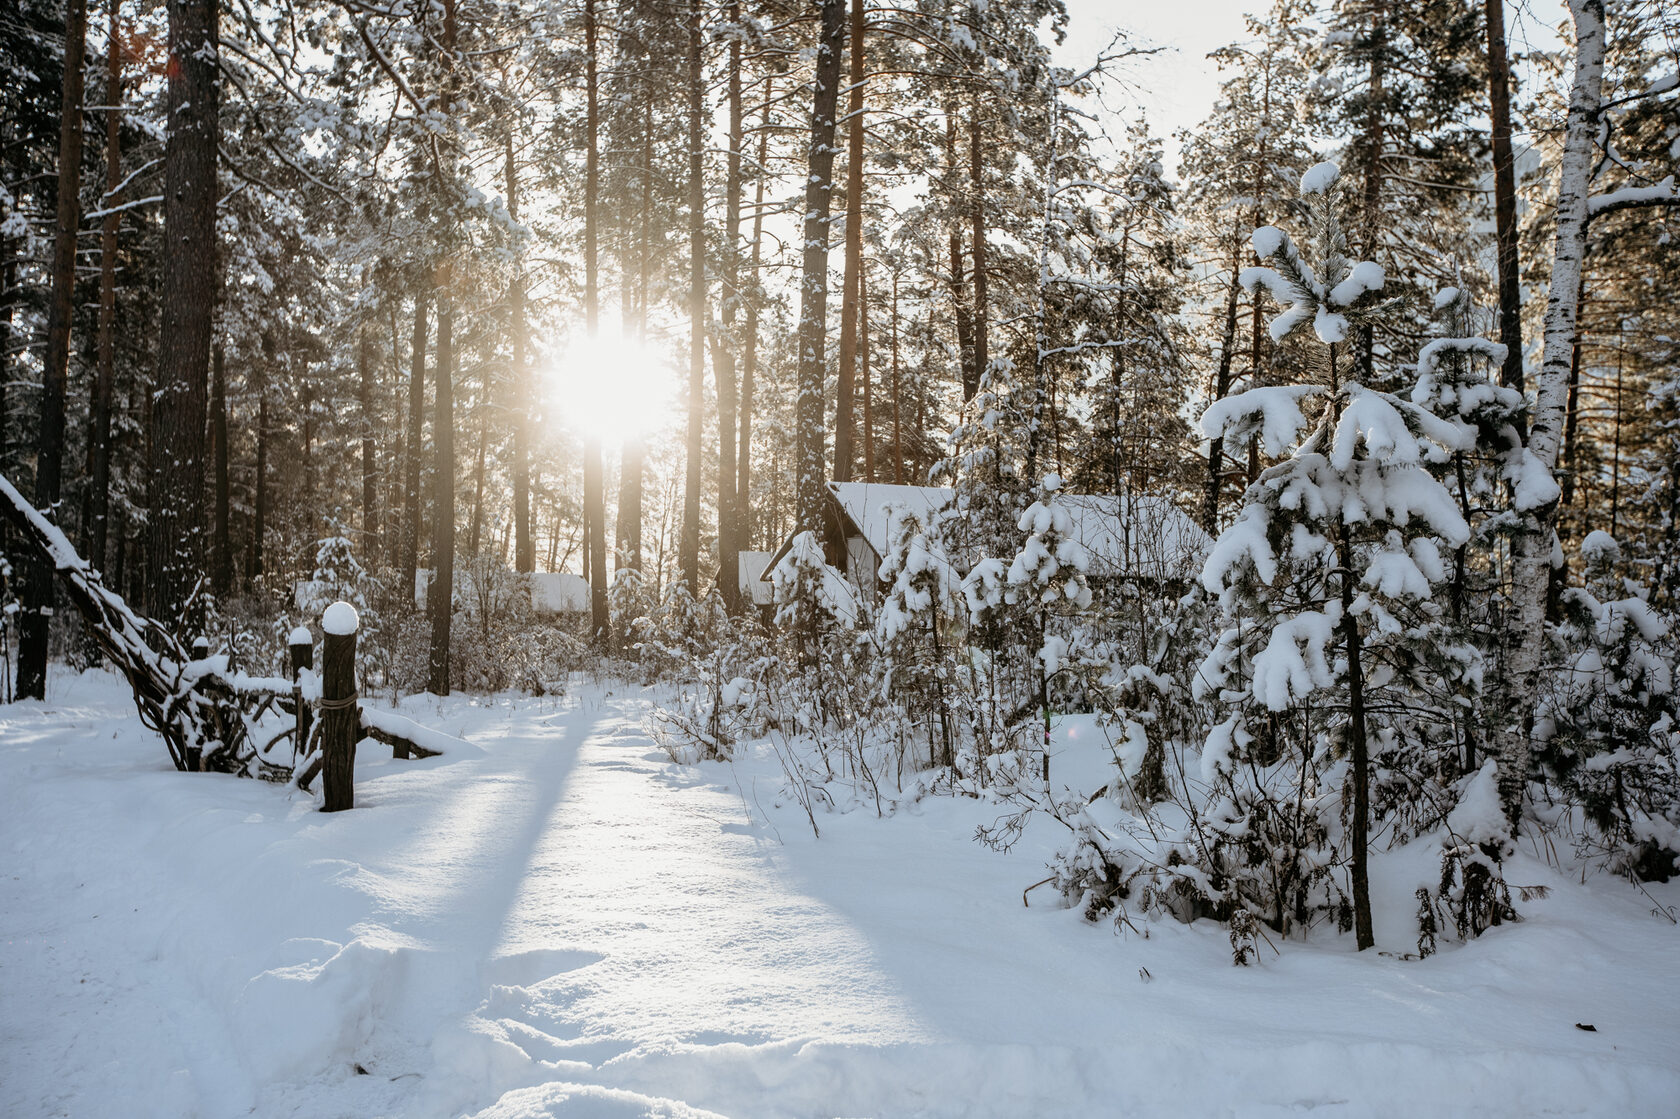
<point x="1327" y="580"/>
<point x="1047" y="579"/>
<point x="1609" y="732"/>
<point x="923" y="589"/>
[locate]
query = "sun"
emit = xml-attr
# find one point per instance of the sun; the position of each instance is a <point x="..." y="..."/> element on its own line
<point x="610" y="387"/>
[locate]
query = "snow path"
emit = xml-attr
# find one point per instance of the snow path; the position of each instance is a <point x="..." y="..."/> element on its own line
<point x="567" y="924"/>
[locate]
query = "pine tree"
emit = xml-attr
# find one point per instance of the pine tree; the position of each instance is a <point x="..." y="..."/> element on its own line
<point x="1327" y="576"/>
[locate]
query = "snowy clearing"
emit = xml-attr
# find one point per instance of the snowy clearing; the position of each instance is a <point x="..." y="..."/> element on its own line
<point x="568" y="924"/>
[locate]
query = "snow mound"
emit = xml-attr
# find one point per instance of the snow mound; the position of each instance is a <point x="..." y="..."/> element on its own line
<point x="318" y="1010"/>
<point x="340" y="619"/>
<point x="587" y="1101"/>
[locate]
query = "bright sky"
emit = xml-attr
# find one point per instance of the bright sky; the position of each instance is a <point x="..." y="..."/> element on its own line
<point x="1177" y="86"/>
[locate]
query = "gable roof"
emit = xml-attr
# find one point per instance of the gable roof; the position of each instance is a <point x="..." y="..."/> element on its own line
<point x="1144" y="536"/>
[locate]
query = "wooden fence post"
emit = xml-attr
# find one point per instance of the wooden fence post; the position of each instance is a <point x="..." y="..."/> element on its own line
<point x="302" y="647"/>
<point x="340" y="713"/>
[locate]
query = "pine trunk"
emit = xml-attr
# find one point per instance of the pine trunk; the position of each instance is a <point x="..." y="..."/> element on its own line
<point x="594" y="495"/>
<point x="259" y="518"/>
<point x="749" y="342"/>
<point x="813" y="295"/>
<point x="221" y="540"/>
<point x="1504" y="198"/>
<point x="38" y="597"/>
<point x="958" y="277"/>
<point x="370" y="465"/>
<point x="438" y="601"/>
<point x="688" y="555"/>
<point x="524" y="549"/>
<point x="414" y="445"/>
<point x="175" y="521"/>
<point x="977" y="215"/>
<point x="1221" y="387"/>
<point x="723" y="353"/>
<point x="846" y="378"/>
<point x="99" y="439"/>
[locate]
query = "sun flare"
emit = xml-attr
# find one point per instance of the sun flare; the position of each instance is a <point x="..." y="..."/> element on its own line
<point x="610" y="387"/>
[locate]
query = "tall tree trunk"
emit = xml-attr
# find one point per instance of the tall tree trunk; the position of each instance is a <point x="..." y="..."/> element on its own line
<point x="1375" y="133"/>
<point x="1511" y="743"/>
<point x="813" y="294"/>
<point x="749" y="342"/>
<point x="594" y="496"/>
<point x="688" y="555"/>
<point x="175" y="523"/>
<point x="392" y="520"/>
<point x="863" y="378"/>
<point x="844" y="451"/>
<point x="259" y="518"/>
<point x="475" y="533"/>
<point x="723" y="355"/>
<point x="415" y="444"/>
<point x="898" y="427"/>
<point x="524" y="549"/>
<point x="370" y="467"/>
<point x="442" y="588"/>
<point x="1222" y="387"/>
<point x="99" y="440"/>
<point x="221" y="540"/>
<point x="632" y="456"/>
<point x="49" y="451"/>
<point x="1504" y="198"/>
<point x="977" y="214"/>
<point x="958" y="277"/>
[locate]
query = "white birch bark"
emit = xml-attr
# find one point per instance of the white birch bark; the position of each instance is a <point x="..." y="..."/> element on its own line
<point x="1532" y="549"/>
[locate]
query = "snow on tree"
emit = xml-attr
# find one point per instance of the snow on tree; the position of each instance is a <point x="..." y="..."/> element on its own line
<point x="1327" y="582"/>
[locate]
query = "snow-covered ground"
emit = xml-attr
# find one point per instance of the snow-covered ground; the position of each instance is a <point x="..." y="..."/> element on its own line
<point x="567" y="924"/>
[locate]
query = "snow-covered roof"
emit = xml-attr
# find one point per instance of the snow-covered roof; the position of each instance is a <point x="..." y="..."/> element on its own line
<point x="552" y="592"/>
<point x="754" y="587"/>
<point x="559" y="592"/>
<point x="1143" y="535"/>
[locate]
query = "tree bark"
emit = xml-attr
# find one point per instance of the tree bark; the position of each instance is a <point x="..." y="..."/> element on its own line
<point x="723" y="355"/>
<point x="1222" y="387"/>
<point x="898" y="430"/>
<point x="175" y="523"/>
<point x="594" y="496"/>
<point x="688" y="556"/>
<point x="863" y="378"/>
<point x="977" y="214"/>
<point x="1512" y="745"/>
<point x="846" y="378"/>
<point x="749" y="343"/>
<point x="259" y="519"/>
<point x="958" y="277"/>
<point x="221" y="540"/>
<point x="813" y="296"/>
<point x="370" y="466"/>
<point x="475" y="533"/>
<point x="99" y="439"/>
<point x="442" y="588"/>
<point x="1504" y="198"/>
<point x="524" y="549"/>
<point x="631" y="457"/>
<point x="414" y="448"/>
<point x="36" y="619"/>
